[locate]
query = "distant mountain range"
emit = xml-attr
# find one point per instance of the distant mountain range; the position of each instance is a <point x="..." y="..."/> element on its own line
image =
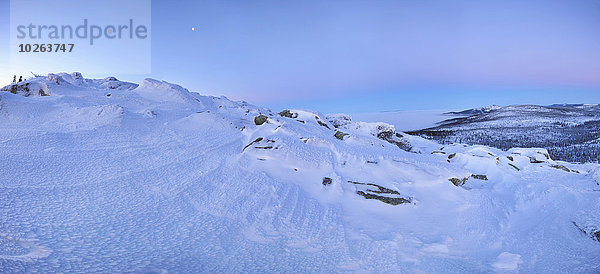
<point x="570" y="132"/>
<point x="475" y="111"/>
<point x="488" y="109"/>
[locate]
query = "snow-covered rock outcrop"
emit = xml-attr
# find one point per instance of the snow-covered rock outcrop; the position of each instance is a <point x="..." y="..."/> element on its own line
<point x="108" y="83"/>
<point x="57" y="83"/>
<point x="28" y="88"/>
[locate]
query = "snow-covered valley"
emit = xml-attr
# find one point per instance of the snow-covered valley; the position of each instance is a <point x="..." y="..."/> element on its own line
<point x="108" y="176"/>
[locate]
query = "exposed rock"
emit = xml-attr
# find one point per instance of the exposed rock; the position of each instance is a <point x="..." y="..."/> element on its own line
<point x="387" y="200"/>
<point x="340" y="135"/>
<point x="385" y="135"/>
<point x="77" y="75"/>
<point x="515" y="167"/>
<point x="458" y="182"/>
<point x="258" y="140"/>
<point x="579" y="228"/>
<point x="368" y="194"/>
<point x="253" y="142"/>
<point x="260" y="119"/>
<point x="540" y="156"/>
<point x="327" y="181"/>
<point x="391" y="137"/>
<point x="595" y="234"/>
<point x="287" y="113"/>
<point x="451" y="156"/>
<point x="561" y="167"/>
<point x="321" y="123"/>
<point x="116" y="84"/>
<point x="27" y="89"/>
<point x="55" y="79"/>
<point x="545" y="154"/>
<point x="535" y="161"/>
<point x="10" y="88"/>
<point x="479" y="177"/>
<point x="461" y="182"/>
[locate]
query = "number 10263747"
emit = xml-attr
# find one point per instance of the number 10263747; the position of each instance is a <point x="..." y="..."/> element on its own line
<point x="46" y="47"/>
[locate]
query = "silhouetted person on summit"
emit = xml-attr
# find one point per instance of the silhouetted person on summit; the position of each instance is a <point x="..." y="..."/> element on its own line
<point x="20" y="79"/>
<point x="14" y="79"/>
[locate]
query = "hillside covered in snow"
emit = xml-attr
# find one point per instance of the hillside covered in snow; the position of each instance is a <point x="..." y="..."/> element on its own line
<point x="100" y="175"/>
<point x="570" y="132"/>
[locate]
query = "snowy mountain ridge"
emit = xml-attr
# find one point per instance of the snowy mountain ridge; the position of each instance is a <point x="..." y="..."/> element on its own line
<point x="571" y="132"/>
<point x="475" y="111"/>
<point x="154" y="178"/>
<point x="488" y="109"/>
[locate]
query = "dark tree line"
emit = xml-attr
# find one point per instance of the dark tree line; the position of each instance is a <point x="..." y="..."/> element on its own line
<point x="572" y="143"/>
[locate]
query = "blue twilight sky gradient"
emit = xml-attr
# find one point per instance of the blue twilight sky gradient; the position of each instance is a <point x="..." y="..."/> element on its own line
<point x="354" y="56"/>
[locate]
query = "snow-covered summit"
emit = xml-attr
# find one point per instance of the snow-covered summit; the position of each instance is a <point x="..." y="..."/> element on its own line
<point x="55" y="83"/>
<point x="162" y="91"/>
<point x="108" y="83"/>
<point x="156" y="178"/>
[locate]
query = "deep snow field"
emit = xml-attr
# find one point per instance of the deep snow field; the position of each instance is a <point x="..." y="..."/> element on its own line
<point x="107" y="176"/>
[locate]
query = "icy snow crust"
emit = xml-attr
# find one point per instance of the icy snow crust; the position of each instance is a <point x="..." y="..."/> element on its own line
<point x="156" y="178"/>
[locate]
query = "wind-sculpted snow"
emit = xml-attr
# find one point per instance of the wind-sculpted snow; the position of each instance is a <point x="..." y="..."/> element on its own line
<point x="161" y="91"/>
<point x="108" y="83"/>
<point x="132" y="183"/>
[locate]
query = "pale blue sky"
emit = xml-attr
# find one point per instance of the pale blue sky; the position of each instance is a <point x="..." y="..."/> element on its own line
<point x="352" y="56"/>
